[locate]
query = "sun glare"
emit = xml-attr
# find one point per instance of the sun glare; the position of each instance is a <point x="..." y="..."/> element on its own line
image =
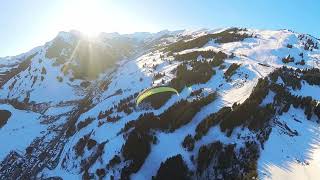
<point x="94" y="16"/>
<point x="86" y="16"/>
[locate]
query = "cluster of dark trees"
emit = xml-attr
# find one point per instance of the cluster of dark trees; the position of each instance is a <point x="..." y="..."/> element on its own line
<point x="4" y="117"/>
<point x="196" y="92"/>
<point x="34" y="80"/>
<point x="43" y="70"/>
<point x="81" y="144"/>
<point x="288" y="76"/>
<point x="114" y="161"/>
<point x="101" y="173"/>
<point x="302" y="62"/>
<point x="144" y="123"/>
<point x="135" y="151"/>
<point x="301" y="54"/>
<point x="210" y="121"/>
<point x="219" y="161"/>
<point x="224" y="160"/>
<point x="231" y="70"/>
<point x="26" y="105"/>
<point x="91" y="143"/>
<point x="293" y="78"/>
<point x="84" y="123"/>
<point x="6" y="76"/>
<point x="173" y="168"/>
<point x="158" y="75"/>
<point x="113" y="118"/>
<point x="206" y="155"/>
<point x="217" y="56"/>
<point x="309" y="44"/>
<point x="265" y="65"/>
<point x="104" y="114"/>
<point x="174" y="117"/>
<point x="188" y="142"/>
<point x="138" y="143"/>
<point x="201" y="72"/>
<point x="12" y="84"/>
<point x="289" y="46"/>
<point x="249" y="113"/>
<point x="254" y="116"/>
<point x="182" y="112"/>
<point x="59" y="78"/>
<point x="125" y="105"/>
<point x="312" y="76"/>
<point x="284" y="99"/>
<point x="288" y="59"/>
<point x="104" y="84"/>
<point x="88" y="162"/>
<point x="229" y="35"/>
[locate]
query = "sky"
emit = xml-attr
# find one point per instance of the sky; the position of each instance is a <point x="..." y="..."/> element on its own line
<point x="25" y="24"/>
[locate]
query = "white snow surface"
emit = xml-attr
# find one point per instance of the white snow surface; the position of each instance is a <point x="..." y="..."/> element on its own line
<point x="297" y="157"/>
<point x="279" y="159"/>
<point x="21" y="128"/>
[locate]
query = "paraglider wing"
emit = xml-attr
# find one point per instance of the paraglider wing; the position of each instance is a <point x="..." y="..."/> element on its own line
<point x="152" y="91"/>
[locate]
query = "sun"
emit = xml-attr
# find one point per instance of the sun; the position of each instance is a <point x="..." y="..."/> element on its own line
<point x="92" y="17"/>
<point x="85" y="16"/>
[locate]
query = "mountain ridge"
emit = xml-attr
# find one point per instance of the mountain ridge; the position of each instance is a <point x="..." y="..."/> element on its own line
<point x="85" y="122"/>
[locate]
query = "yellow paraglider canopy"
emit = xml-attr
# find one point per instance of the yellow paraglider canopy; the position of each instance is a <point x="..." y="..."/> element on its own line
<point x="155" y="90"/>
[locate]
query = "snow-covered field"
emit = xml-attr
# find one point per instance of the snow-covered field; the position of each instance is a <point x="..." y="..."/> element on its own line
<point x="20" y="130"/>
<point x="292" y="157"/>
<point x="283" y="156"/>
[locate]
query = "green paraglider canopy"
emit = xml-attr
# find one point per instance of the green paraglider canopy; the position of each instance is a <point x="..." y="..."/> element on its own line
<point x="151" y="91"/>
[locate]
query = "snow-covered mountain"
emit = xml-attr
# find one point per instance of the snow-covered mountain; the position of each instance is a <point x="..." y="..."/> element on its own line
<point x="248" y="106"/>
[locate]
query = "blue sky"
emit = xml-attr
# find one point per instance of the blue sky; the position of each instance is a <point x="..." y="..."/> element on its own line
<point x="25" y="24"/>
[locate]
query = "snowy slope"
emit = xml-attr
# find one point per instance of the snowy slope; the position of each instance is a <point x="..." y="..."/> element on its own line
<point x="79" y="129"/>
<point x="21" y="128"/>
<point x="292" y="157"/>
